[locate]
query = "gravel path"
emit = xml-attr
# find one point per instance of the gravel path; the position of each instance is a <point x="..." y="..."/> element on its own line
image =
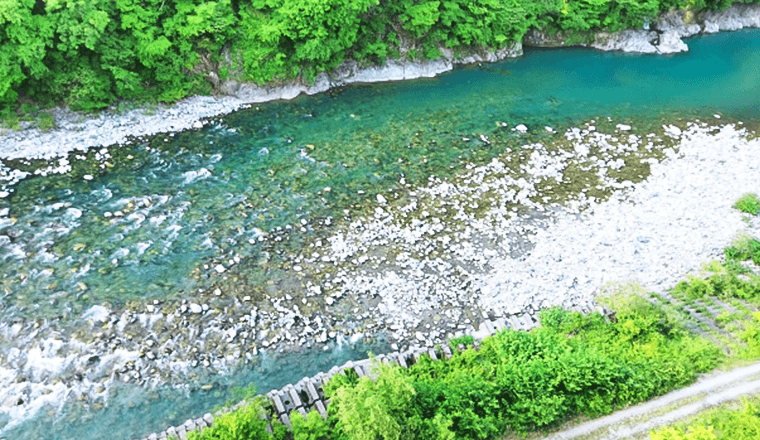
<point x="713" y="389"/>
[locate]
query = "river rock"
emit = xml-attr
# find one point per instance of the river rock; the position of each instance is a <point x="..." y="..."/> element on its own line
<point x="488" y="56"/>
<point x="670" y="42"/>
<point x="711" y="27"/>
<point x="673" y="21"/>
<point x="736" y="17"/>
<point x="96" y="314"/>
<point x="639" y="41"/>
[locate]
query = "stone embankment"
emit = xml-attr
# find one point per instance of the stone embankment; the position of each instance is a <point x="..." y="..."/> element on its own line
<point x="307" y="394"/>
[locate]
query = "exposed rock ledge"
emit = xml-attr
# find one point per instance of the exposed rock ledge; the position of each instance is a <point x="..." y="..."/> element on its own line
<point x="664" y="36"/>
<point x="75" y="132"/>
<point x="350" y="72"/>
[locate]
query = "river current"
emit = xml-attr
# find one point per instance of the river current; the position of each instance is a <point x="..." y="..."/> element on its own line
<point x="159" y="219"/>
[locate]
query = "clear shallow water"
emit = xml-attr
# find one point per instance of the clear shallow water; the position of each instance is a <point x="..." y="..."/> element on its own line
<point x="201" y="196"/>
<point x="133" y="412"/>
<point x="210" y="193"/>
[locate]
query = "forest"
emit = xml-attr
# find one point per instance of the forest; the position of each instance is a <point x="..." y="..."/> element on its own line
<point x="89" y="54"/>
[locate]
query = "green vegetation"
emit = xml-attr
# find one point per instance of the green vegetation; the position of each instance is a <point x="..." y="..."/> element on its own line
<point x="723" y="423"/>
<point x="729" y="280"/>
<point x="748" y="203"/>
<point x="734" y="284"/>
<point x="572" y="365"/>
<point x="517" y="381"/>
<point x="92" y="54"/>
<point x="45" y="121"/>
<point x="244" y="423"/>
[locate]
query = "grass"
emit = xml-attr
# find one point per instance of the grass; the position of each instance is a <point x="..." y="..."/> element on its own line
<point x="743" y="248"/>
<point x="734" y="421"/>
<point x="748" y="203"/>
<point x="45" y="121"/>
<point x="10" y="120"/>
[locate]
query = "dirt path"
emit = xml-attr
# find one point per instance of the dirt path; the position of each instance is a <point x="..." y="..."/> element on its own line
<point x="636" y="422"/>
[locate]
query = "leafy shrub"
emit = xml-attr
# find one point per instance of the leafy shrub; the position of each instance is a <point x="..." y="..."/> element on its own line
<point x="313" y="427"/>
<point x="10" y="119"/>
<point x="748" y="203"/>
<point x="371" y="410"/>
<point x="466" y="340"/>
<point x="45" y="121"/>
<point x="731" y="280"/>
<point x="244" y="423"/>
<point x="573" y="364"/>
<point x="743" y="248"/>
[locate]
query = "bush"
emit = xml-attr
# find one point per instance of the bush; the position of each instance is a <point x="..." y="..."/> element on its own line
<point x="45" y="121"/>
<point x="244" y="423"/>
<point x="371" y="410"/>
<point x="748" y="203"/>
<point x="313" y="427"/>
<point x="731" y="280"/>
<point x="573" y="364"/>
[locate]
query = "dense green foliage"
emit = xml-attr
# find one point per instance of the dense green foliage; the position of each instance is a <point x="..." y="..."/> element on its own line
<point x="520" y="381"/>
<point x="515" y="381"/>
<point x="724" y="423"/>
<point x="244" y="423"/>
<point x="89" y="54"/>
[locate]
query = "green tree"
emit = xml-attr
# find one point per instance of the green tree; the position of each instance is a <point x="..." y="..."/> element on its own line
<point x="373" y="410"/>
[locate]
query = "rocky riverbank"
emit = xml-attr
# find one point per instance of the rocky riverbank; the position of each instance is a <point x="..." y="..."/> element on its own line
<point x="75" y="131"/>
<point x="663" y="36"/>
<point x="551" y="225"/>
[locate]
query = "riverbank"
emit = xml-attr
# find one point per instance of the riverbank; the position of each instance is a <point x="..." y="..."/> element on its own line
<point x="79" y="131"/>
<point x="449" y="262"/>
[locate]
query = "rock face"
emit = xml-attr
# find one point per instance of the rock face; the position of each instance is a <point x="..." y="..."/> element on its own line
<point x="351" y="72"/>
<point x="628" y="41"/>
<point x="734" y="18"/>
<point x="663" y="36"/>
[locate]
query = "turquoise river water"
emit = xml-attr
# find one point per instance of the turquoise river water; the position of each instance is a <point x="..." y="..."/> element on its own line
<point x="160" y="209"/>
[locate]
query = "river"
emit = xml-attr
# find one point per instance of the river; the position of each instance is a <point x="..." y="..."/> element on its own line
<point x="181" y="216"/>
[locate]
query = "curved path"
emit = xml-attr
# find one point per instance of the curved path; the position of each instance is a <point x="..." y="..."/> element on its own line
<point x="636" y="422"/>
